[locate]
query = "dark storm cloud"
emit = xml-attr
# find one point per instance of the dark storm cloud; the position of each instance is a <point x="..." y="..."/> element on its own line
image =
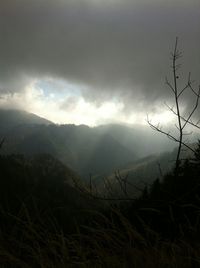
<point x="116" y="48"/>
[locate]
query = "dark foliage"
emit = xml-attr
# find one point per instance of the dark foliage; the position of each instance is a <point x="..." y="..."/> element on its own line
<point x="43" y="186"/>
<point x="42" y="213"/>
<point x="172" y="205"/>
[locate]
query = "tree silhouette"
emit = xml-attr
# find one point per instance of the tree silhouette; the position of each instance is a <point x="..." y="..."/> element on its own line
<point x="182" y="120"/>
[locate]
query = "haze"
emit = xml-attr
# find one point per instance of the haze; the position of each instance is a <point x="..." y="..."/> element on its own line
<point x="95" y="62"/>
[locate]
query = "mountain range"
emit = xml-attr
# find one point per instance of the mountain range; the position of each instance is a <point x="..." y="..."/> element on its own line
<point x="89" y="151"/>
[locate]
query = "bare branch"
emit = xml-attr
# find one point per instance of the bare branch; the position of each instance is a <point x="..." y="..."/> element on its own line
<point x="190" y="122"/>
<point x="169" y="135"/>
<point x="194" y="91"/>
<point x="193" y="110"/>
<point x="186" y="86"/>
<point x="169" y="85"/>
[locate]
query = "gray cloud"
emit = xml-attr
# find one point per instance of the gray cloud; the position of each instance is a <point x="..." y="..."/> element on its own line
<point x="115" y="48"/>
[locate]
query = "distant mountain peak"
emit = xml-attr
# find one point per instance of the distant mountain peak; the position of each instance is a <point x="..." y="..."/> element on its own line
<point x="10" y="118"/>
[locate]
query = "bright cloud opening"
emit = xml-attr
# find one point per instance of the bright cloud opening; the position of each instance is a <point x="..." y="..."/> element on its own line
<point x="63" y="103"/>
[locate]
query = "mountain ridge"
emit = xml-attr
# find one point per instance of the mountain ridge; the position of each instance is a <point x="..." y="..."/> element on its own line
<point x="10" y="118"/>
<point x="88" y="150"/>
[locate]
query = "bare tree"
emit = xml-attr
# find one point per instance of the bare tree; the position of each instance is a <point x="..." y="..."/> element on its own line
<point x="182" y="120"/>
<point x="109" y="193"/>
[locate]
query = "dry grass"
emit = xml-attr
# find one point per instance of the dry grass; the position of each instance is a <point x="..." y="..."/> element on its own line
<point x="101" y="243"/>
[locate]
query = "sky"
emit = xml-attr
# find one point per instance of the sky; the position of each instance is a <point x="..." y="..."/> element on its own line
<point x="96" y="61"/>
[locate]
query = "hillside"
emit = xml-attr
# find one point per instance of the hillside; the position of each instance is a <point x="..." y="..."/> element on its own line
<point x="13" y="118"/>
<point x="39" y="184"/>
<point x="46" y="220"/>
<point x="143" y="172"/>
<point x="83" y="149"/>
<point x="142" y="139"/>
<point x="98" y="151"/>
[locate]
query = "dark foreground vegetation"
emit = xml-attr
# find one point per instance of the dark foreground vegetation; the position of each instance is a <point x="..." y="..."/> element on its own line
<point x="46" y="222"/>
